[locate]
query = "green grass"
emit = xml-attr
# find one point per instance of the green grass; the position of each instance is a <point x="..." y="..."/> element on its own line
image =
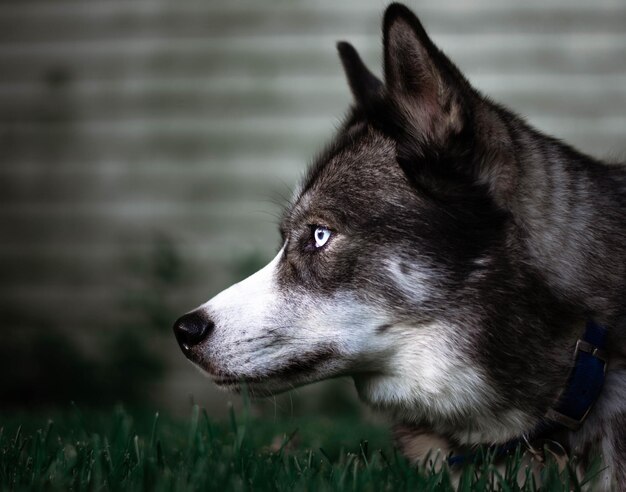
<point x="97" y="450"/>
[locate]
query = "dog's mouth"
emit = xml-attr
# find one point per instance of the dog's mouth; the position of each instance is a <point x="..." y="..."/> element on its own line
<point x="232" y="382"/>
<point x="303" y="370"/>
<point x="255" y="387"/>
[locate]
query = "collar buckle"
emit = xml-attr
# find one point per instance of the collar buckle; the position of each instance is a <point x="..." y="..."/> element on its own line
<point x="565" y="420"/>
<point x="584" y="346"/>
<point x="585" y="381"/>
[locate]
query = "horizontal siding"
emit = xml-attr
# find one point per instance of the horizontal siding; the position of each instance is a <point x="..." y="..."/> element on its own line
<point x="580" y="44"/>
<point x="349" y="8"/>
<point x="219" y="95"/>
<point x="134" y="68"/>
<point x="26" y="28"/>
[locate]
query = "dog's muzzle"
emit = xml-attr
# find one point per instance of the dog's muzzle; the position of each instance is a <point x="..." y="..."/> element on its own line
<point x="191" y="329"/>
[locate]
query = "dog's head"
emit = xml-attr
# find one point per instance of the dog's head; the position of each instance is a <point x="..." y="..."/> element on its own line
<point x="391" y="242"/>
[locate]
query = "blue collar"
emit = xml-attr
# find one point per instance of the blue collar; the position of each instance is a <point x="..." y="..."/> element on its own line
<point x="586" y="380"/>
<point x="574" y="404"/>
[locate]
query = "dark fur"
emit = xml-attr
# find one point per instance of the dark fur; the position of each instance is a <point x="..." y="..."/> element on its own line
<point x="458" y="178"/>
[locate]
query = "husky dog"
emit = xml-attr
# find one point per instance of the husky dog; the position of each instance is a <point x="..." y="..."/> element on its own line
<point x="445" y="255"/>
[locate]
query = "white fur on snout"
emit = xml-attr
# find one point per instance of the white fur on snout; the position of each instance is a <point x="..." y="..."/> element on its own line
<point x="262" y="327"/>
<point x="248" y="302"/>
<point x="245" y="316"/>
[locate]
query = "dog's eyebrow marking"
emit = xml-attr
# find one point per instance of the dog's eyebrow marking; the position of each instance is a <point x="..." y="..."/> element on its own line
<point x="415" y="281"/>
<point x="383" y="328"/>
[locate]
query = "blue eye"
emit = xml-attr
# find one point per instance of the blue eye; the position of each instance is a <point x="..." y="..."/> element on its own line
<point x="321" y="236"/>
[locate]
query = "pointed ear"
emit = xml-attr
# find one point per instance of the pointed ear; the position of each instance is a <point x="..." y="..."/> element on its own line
<point x="363" y="83"/>
<point x="421" y="81"/>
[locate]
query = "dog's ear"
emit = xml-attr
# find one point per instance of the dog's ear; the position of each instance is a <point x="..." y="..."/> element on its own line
<point x="422" y="83"/>
<point x="364" y="85"/>
<point x="438" y="117"/>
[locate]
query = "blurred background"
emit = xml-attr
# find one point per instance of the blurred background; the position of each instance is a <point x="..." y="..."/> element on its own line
<point x="146" y="148"/>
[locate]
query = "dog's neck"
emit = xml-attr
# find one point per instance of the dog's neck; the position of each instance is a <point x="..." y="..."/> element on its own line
<point x="567" y="223"/>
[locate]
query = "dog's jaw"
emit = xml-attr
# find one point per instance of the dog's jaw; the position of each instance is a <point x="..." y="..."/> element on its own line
<point x="427" y="374"/>
<point x="429" y="380"/>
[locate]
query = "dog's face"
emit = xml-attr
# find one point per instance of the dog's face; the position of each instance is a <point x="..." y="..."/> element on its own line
<point x="384" y="247"/>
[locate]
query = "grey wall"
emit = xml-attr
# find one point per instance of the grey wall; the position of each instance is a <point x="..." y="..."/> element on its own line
<point x="128" y="124"/>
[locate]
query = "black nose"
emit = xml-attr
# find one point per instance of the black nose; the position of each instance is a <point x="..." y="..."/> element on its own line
<point x="191" y="328"/>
